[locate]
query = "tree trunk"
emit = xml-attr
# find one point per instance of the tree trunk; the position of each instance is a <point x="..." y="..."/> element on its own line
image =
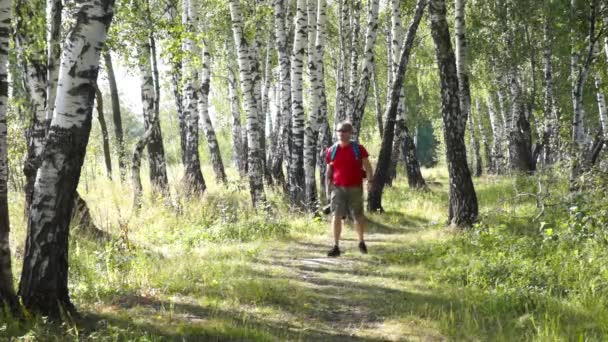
<point x="176" y="77"/>
<point x="378" y="106"/>
<point x="484" y="135"/>
<point x="344" y="30"/>
<point x="550" y="136"/>
<point x="255" y="162"/>
<point x="53" y="21"/>
<point x="355" y="27"/>
<point x="412" y="166"/>
<point x="107" y="156"/>
<point x="579" y="74"/>
<point x="281" y="145"/>
<point x="7" y="291"/>
<point x="156" y="150"/>
<point x="520" y="143"/>
<point x="296" y="177"/>
<point x="239" y="154"/>
<point x="384" y="158"/>
<point x="194" y="182"/>
<point x="34" y="70"/>
<point x="116" y="116"/>
<point x="461" y="58"/>
<point x="497" y="133"/>
<point x="463" y="208"/>
<point x="360" y="99"/>
<point x="203" y="109"/>
<point x="44" y="279"/>
<point x="318" y="103"/>
<point x="475" y="147"/>
<point x="601" y="104"/>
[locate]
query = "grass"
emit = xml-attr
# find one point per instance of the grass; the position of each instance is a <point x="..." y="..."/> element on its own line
<point x="212" y="269"/>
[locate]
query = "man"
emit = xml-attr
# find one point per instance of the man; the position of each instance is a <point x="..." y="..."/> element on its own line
<point x="344" y="179"/>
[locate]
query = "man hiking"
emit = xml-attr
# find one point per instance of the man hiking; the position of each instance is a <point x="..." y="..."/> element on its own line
<point x="347" y="165"/>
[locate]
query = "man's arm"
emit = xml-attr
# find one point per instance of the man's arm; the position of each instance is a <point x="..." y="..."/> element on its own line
<point x="369" y="171"/>
<point x="328" y="180"/>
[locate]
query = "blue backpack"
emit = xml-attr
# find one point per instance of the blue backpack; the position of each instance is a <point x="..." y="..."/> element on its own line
<point x="356" y="150"/>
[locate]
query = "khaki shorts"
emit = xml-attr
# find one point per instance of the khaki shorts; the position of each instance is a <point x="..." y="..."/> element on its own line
<point x="345" y="200"/>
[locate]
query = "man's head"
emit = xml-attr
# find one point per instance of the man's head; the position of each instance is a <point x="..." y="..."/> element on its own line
<point x="345" y="131"/>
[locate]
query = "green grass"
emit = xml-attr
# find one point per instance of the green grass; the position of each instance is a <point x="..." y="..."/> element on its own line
<point x="213" y="269"/>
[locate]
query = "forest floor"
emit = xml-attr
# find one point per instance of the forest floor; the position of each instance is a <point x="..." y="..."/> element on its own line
<point x="215" y="270"/>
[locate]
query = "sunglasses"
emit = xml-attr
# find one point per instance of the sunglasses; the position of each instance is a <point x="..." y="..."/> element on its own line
<point x="343" y="131"/>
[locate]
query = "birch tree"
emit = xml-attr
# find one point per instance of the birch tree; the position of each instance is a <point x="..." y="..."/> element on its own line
<point x="105" y="137"/>
<point x="296" y="177"/>
<point x="116" y="116"/>
<point x="475" y="147"/>
<point x="317" y="99"/>
<point x="255" y="160"/>
<point x="44" y="279"/>
<point x="191" y="91"/>
<point x="360" y="100"/>
<point x="7" y="291"/>
<point x="384" y="158"/>
<point x="461" y="57"/>
<point x="463" y="209"/>
<point x="203" y="111"/>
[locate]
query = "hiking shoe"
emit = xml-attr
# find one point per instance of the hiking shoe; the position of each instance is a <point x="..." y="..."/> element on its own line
<point x="335" y="252"/>
<point x="362" y="247"/>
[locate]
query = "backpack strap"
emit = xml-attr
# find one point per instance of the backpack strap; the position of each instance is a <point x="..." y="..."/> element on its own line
<point x="356" y="149"/>
<point x="334" y="150"/>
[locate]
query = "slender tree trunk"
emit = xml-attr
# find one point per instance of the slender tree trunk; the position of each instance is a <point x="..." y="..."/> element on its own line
<point x="344" y="41"/>
<point x="191" y="91"/>
<point x="601" y="104"/>
<point x="520" y="143"/>
<point x="116" y="116"/>
<point x="107" y="156"/>
<point x="412" y="166"/>
<point x="296" y="187"/>
<point x="461" y="58"/>
<point x="53" y="20"/>
<point x="176" y="78"/>
<point x="255" y="162"/>
<point x="44" y="279"/>
<point x="34" y="71"/>
<point x="282" y="145"/>
<point x="156" y="153"/>
<point x="318" y="102"/>
<point x="239" y="154"/>
<point x="484" y="135"/>
<point x="475" y="144"/>
<point x="203" y="109"/>
<point x="550" y="136"/>
<point x="463" y="209"/>
<point x="360" y="99"/>
<point x="384" y="158"/>
<point x="579" y="74"/>
<point x="355" y="26"/>
<point x="378" y="106"/>
<point x="495" y="124"/>
<point x="7" y="291"/>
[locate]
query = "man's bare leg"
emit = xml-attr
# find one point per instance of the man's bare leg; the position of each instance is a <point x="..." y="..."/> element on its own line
<point x="337" y="229"/>
<point x="360" y="223"/>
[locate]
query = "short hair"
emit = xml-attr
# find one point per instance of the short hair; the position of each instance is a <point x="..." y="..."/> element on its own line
<point x="346" y="126"/>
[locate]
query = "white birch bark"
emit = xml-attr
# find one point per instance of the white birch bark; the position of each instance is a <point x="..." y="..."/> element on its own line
<point x="7" y="291"/>
<point x="483" y="134"/>
<point x="317" y="98"/>
<point x="53" y="20"/>
<point x="461" y="59"/>
<point x="194" y="181"/>
<point x="239" y="155"/>
<point x="601" y="103"/>
<point x="355" y="34"/>
<point x="344" y="32"/>
<point x="495" y="125"/>
<point x="255" y="162"/>
<point x="203" y="111"/>
<point x="282" y="145"/>
<point x="296" y="187"/>
<point x="366" y="68"/>
<point x="44" y="279"/>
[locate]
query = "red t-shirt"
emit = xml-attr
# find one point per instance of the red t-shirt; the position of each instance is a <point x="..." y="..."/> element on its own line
<point x="346" y="167"/>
